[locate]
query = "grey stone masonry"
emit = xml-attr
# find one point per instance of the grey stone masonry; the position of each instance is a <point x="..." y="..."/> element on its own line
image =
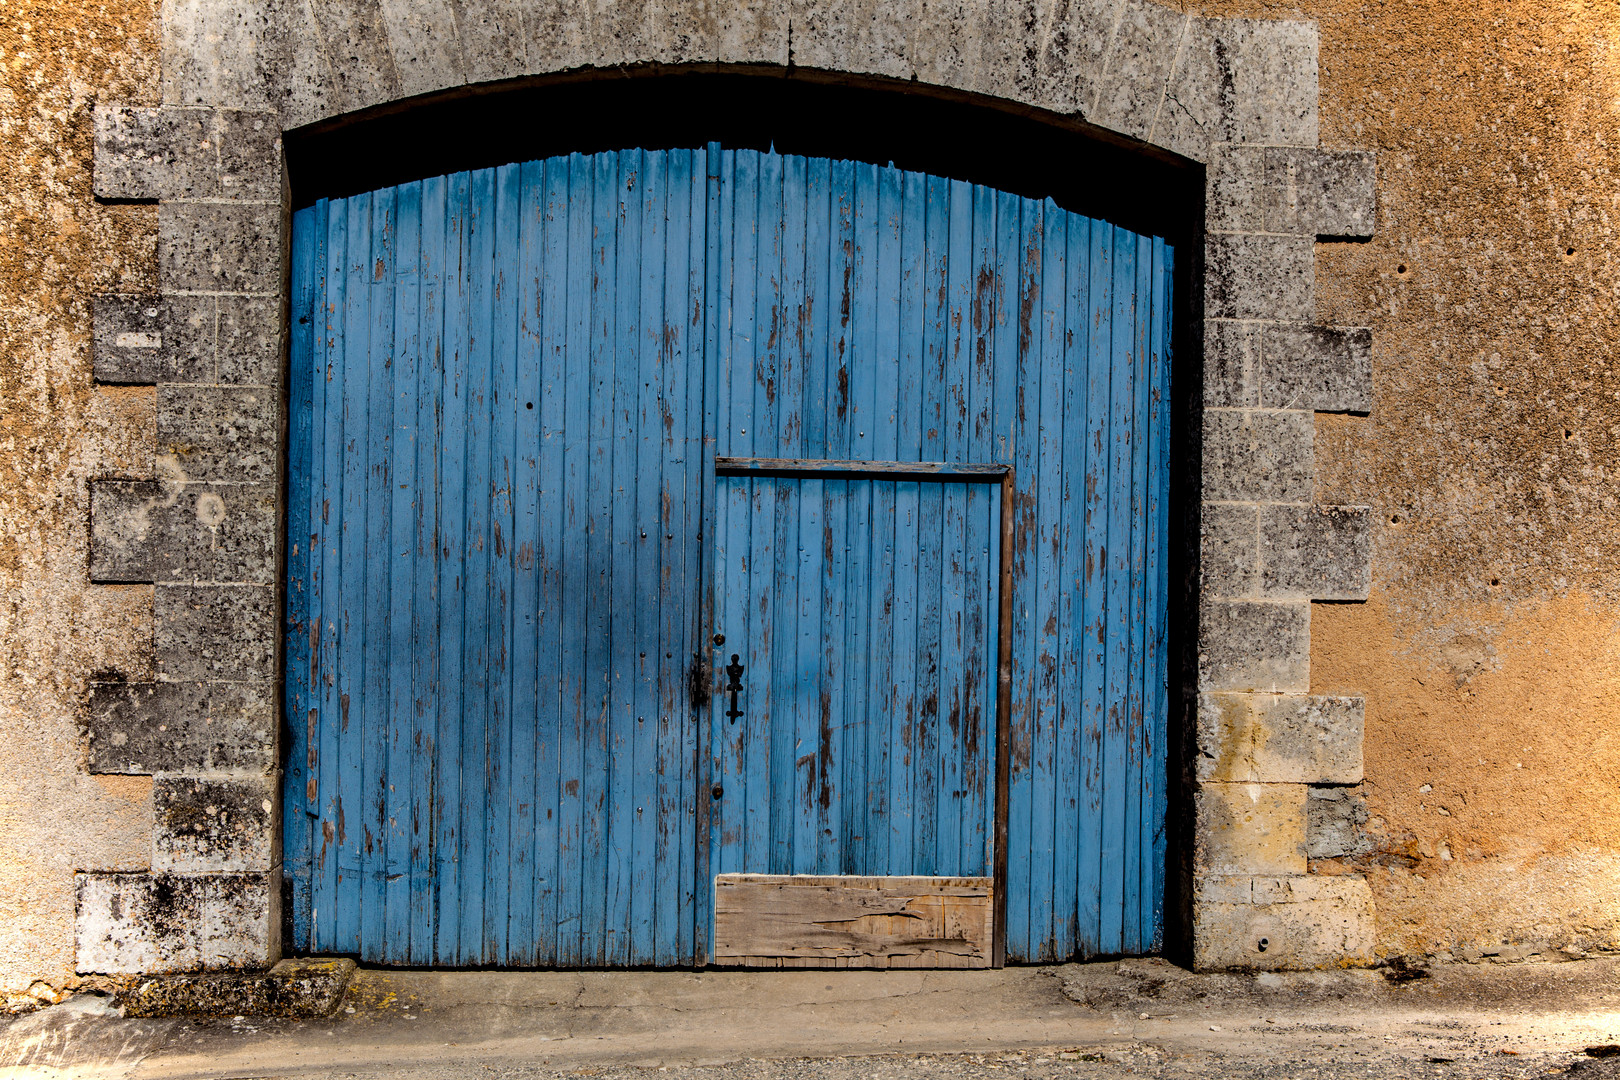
<point x="1237" y="95"/>
<point x="1321" y="368"/>
<point x="1334" y="822"/>
<point x="206" y="824"/>
<point x="186" y="153"/>
<point x="214" y="632"/>
<point x="186" y="339"/>
<point x="181" y="727"/>
<point x="162" y="923"/>
<point x="147" y="530"/>
<point x="1324" y="193"/>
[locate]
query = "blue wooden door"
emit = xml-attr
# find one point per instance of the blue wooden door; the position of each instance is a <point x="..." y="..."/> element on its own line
<point x="868" y="313"/>
<point x="497" y="423"/>
<point x="508" y="561"/>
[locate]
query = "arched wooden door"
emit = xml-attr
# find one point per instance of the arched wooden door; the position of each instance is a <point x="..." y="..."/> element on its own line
<point x="569" y="436"/>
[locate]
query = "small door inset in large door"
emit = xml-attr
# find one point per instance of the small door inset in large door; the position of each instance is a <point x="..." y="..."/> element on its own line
<point x="855" y="732"/>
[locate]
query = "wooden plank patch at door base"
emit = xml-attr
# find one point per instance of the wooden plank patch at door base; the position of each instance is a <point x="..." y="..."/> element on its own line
<point x="811" y="921"/>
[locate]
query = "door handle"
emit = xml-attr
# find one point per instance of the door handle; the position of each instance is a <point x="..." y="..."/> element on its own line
<point x="734" y="687"/>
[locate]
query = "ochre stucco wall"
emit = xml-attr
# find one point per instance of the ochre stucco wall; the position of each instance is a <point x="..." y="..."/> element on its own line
<point x="1489" y="652"/>
<point x="57" y="249"/>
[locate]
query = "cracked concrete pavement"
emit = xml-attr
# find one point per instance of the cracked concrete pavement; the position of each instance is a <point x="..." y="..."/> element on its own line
<point x="1099" y="1020"/>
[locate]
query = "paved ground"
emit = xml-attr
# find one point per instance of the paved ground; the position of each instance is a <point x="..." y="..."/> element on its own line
<point x="1137" y="1018"/>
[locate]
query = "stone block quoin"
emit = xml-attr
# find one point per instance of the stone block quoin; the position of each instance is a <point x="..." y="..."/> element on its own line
<point x="203" y="531"/>
<point x="1238" y="95"/>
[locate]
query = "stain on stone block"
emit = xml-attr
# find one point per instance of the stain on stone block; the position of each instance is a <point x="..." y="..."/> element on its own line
<point x="145" y="728"/>
<point x="143" y="531"/>
<point x="1254" y="646"/>
<point x="1334" y="823"/>
<point x="205" y="824"/>
<point x="213" y="632"/>
<point x="164" y="923"/>
<point x="1316" y="552"/>
<point x="1241" y="81"/>
<point x="219" y="247"/>
<point x="1325" y="193"/>
<point x="1320" y="368"/>
<point x="217" y="433"/>
<point x="1250" y="829"/>
<point x="1259" y="456"/>
<point x="1280" y="738"/>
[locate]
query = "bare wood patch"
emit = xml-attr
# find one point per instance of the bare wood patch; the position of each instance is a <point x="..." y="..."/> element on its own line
<point x="769" y="920"/>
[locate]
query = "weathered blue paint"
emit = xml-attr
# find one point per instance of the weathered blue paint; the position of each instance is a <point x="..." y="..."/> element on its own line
<point x="508" y="548"/>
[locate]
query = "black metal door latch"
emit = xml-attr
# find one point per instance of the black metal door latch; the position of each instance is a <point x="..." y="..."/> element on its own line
<point x="734" y="687"/>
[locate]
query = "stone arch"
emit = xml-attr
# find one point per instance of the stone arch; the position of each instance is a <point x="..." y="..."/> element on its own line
<point x="1270" y="766"/>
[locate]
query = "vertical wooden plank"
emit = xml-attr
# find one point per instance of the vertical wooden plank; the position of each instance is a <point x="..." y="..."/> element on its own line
<point x="978" y="712"/>
<point x="558" y="697"/>
<point x="505" y="226"/>
<point x="1069" y="831"/>
<point x="1115" y="763"/>
<point x="524" y="671"/>
<point x="903" y="231"/>
<point x="961" y="838"/>
<point x="372" y="714"/>
<point x="1137" y="437"/>
<point x="452" y="536"/>
<point x="351" y="831"/>
<point x="645" y="197"/>
<point x="1014" y="442"/>
<point x="401" y="646"/>
<point x="328" y="420"/>
<point x="863" y="820"/>
<point x="478" y="564"/>
<point x="1045" y="382"/>
<point x="426" y="649"/>
<point x="302" y="551"/>
<point x="707" y="171"/>
<point x="926" y="223"/>
<point x="1157" y="577"/>
<point x="624" y="618"/>
<point x="596" y="777"/>
<point x="1098" y="476"/>
<point x="676" y="586"/>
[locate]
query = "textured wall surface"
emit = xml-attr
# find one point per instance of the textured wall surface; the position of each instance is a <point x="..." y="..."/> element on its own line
<point x="1488" y="653"/>
<point x="57" y="430"/>
<point x="1487" y="821"/>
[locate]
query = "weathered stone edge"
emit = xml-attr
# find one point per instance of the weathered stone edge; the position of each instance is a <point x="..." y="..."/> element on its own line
<point x="294" y="989"/>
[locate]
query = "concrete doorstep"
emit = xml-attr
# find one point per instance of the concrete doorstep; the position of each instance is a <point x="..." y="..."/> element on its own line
<point x="1100" y="1020"/>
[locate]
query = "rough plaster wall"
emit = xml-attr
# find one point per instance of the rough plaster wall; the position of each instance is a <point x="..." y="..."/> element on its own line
<point x="57" y="249"/>
<point x="1488" y="653"/>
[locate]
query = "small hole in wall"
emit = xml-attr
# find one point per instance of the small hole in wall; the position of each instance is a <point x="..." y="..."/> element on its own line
<point x="1568" y="434"/>
<point x="1394" y="519"/>
<point x="1495" y="582"/>
<point x="1569" y="251"/>
<point x="1401" y="269"/>
<point x="1263" y="944"/>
